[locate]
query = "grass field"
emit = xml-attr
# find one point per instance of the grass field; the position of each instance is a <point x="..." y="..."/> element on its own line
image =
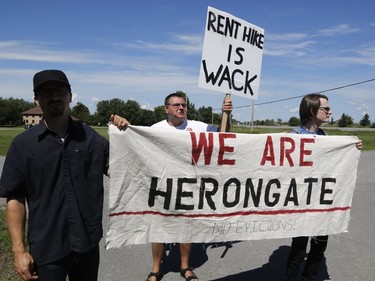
<point x="7" y="134"/>
<point x="367" y="137"/>
<point x="6" y="257"/>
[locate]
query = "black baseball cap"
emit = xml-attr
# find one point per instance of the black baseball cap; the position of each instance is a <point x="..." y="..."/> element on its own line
<point x="49" y="75"/>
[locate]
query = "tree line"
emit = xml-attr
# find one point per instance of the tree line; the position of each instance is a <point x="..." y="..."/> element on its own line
<point x="11" y="109"/>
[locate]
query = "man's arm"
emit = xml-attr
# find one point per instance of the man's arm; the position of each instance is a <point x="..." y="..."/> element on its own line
<point x="16" y="217"/>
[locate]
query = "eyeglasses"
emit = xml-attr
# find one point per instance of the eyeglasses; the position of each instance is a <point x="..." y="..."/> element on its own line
<point x="46" y="93"/>
<point x="325" y="109"/>
<point x="177" y="105"/>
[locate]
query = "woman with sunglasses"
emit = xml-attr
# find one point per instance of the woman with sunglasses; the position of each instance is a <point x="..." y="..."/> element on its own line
<point x="314" y="111"/>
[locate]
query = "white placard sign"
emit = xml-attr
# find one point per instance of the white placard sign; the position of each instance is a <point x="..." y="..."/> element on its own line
<point x="232" y="55"/>
<point x="179" y="186"/>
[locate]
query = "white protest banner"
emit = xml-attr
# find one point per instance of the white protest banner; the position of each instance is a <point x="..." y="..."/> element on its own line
<point x="179" y="186"/>
<point x="232" y="55"/>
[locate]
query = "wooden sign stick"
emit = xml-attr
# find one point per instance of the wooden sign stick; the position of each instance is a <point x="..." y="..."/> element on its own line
<point x="225" y="116"/>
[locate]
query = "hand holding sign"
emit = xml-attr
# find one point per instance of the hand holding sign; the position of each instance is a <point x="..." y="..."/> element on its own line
<point x="226" y="109"/>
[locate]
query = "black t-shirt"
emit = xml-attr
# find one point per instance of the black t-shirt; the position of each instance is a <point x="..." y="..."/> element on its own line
<point x="62" y="181"/>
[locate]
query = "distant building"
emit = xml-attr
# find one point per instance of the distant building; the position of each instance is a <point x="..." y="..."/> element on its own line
<point x="32" y="116"/>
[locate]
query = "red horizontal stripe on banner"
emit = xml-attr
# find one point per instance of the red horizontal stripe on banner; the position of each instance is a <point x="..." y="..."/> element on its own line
<point x="243" y="213"/>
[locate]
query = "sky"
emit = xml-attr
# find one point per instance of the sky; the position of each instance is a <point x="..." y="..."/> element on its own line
<point x="143" y="50"/>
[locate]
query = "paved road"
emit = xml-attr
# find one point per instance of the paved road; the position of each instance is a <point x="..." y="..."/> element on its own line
<point x="349" y="257"/>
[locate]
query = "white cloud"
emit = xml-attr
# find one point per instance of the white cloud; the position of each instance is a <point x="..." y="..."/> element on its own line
<point x="185" y="44"/>
<point x="95" y="99"/>
<point x="74" y="97"/>
<point x="294" y="110"/>
<point x="286" y="37"/>
<point x="44" y="52"/>
<point x="288" y="44"/>
<point x="147" y="106"/>
<point x="338" y="29"/>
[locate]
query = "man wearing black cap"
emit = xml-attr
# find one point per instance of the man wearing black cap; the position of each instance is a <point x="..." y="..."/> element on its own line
<point x="56" y="167"/>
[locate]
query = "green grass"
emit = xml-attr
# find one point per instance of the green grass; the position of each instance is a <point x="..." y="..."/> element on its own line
<point x="103" y="131"/>
<point x="6" y="256"/>
<point x="6" y="136"/>
<point x="367" y="137"/>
